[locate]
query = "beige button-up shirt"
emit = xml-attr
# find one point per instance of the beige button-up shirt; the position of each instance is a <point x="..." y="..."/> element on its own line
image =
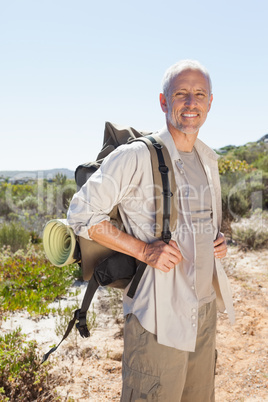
<point x="166" y="304"/>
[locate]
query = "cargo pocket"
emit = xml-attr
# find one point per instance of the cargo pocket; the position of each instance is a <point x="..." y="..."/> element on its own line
<point x="138" y="387"/>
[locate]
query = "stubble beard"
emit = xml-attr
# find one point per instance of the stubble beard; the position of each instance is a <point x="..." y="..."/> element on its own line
<point x="171" y="119"/>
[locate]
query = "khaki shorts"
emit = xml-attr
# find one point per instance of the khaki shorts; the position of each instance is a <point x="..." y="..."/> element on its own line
<point x="154" y="372"/>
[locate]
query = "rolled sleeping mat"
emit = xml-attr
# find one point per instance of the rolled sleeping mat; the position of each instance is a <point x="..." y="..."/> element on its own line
<point x="63" y="247"/>
<point x="60" y="243"/>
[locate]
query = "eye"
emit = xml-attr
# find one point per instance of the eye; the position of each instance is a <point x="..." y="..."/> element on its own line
<point x="200" y="94"/>
<point x="179" y="93"/>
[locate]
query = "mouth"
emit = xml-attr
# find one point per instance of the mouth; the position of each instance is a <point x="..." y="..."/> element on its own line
<point x="189" y="115"/>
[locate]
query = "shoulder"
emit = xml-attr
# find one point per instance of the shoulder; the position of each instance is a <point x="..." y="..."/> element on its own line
<point x="135" y="152"/>
<point x="127" y="163"/>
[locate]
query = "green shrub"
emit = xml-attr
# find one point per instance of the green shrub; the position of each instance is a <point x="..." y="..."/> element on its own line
<point x="33" y="204"/>
<point x="4" y="208"/>
<point x="29" y="203"/>
<point x="30" y="281"/>
<point x="251" y="234"/>
<point x="250" y="238"/>
<point x="262" y="163"/>
<point x="14" y="235"/>
<point x="250" y="152"/>
<point x="22" y="377"/>
<point x="242" y="193"/>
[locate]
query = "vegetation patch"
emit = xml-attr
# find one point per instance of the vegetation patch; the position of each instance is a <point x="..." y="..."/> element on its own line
<point x="28" y="280"/>
<point x="252" y="233"/>
<point x="22" y="377"/>
<point x="14" y="235"/>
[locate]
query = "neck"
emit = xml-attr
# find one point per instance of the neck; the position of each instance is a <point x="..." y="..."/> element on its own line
<point x="184" y="142"/>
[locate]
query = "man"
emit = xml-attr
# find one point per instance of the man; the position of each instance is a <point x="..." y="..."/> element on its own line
<point x="170" y="326"/>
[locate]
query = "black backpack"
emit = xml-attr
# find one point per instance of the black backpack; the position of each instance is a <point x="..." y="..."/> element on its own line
<point x="100" y="265"/>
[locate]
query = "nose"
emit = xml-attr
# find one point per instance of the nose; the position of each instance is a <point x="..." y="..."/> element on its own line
<point x="190" y="100"/>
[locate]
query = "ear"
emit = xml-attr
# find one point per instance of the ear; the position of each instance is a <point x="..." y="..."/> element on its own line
<point x="210" y="102"/>
<point x="163" y="103"/>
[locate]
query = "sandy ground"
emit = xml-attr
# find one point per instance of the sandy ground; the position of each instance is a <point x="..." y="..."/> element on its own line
<point x="90" y="369"/>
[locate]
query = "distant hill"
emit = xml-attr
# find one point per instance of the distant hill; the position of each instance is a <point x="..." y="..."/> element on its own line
<point x="224" y="150"/>
<point x="35" y="174"/>
<point x="51" y="173"/>
<point x="253" y="153"/>
<point x="264" y="138"/>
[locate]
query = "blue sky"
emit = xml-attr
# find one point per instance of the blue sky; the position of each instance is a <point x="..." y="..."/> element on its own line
<point x="67" y="66"/>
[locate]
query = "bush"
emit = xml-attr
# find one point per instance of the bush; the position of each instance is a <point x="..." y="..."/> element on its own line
<point x="262" y="163"/>
<point x="14" y="235"/>
<point x="28" y="203"/>
<point x="250" y="238"/>
<point x="22" y="377"/>
<point x="4" y="208"/>
<point x="242" y="193"/>
<point x="251" y="234"/>
<point x="30" y="281"/>
<point x="250" y="152"/>
<point x="227" y="165"/>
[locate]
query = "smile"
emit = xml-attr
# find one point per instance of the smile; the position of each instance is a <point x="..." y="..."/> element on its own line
<point x="189" y="115"/>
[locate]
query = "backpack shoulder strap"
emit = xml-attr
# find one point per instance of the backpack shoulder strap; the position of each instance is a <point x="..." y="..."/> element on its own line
<point x="164" y="184"/>
<point x="162" y="174"/>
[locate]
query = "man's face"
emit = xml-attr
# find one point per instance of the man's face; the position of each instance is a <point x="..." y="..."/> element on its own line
<point x="188" y="101"/>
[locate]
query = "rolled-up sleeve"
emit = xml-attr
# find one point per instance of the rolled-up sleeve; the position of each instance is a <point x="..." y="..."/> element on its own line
<point x="103" y="190"/>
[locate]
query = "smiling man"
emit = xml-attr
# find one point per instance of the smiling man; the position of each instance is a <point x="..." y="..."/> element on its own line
<point x="170" y="324"/>
<point x="186" y="102"/>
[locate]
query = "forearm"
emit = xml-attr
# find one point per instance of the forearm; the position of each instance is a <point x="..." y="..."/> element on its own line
<point x="110" y="236"/>
<point x="158" y="254"/>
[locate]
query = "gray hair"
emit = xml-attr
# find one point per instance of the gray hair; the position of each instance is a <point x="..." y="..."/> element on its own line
<point x="180" y="66"/>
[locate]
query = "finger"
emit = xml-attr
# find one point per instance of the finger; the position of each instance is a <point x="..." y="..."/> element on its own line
<point x="219" y="241"/>
<point x="221" y="246"/>
<point x="174" y="244"/>
<point x="175" y="259"/>
<point x="164" y="268"/>
<point x="174" y="250"/>
<point x="168" y="266"/>
<point x="220" y="252"/>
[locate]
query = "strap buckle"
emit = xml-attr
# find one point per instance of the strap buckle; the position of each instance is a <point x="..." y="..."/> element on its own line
<point x="83" y="330"/>
<point x="82" y="324"/>
<point x="166" y="236"/>
<point x="157" y="145"/>
<point x="167" y="194"/>
<point x="163" y="169"/>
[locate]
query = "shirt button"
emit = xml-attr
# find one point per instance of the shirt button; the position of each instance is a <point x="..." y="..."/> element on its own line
<point x="193" y="310"/>
<point x="194" y="325"/>
<point x="192" y="287"/>
<point x="193" y="317"/>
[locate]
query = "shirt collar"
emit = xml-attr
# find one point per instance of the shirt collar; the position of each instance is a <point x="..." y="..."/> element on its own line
<point x="199" y="145"/>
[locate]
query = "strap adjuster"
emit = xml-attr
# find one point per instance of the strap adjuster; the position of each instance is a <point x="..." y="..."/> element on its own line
<point x="167" y="193"/>
<point x="163" y="169"/>
<point x="166" y="236"/>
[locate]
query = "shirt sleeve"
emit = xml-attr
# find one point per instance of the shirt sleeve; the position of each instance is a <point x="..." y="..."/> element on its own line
<point x="103" y="190"/>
